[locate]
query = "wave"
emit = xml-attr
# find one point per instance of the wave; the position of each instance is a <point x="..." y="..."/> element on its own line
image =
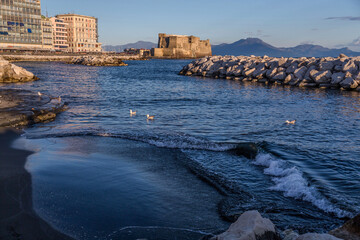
<point x="287" y="179"/>
<point x="290" y="181"/>
<point x="163" y="140"/>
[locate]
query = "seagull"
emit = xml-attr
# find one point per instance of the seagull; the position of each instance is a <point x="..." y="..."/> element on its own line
<point x="132" y="113"/>
<point x="150" y="117"/>
<point x="40" y="94"/>
<point x="56" y="100"/>
<point x="290" y="122"/>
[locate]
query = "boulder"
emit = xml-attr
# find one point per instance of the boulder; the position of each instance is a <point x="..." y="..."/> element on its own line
<point x="336" y="78"/>
<point x="292" y="68"/>
<point x="250" y="226"/>
<point x="280" y="76"/>
<point x="324" y="66"/>
<point x="300" y="72"/>
<point x="321" y="76"/>
<point x="350" y="67"/>
<point x="103" y="61"/>
<point x="349" y="83"/>
<point x="289" y="78"/>
<point x="316" y="236"/>
<point x="10" y="73"/>
<point x="248" y="72"/>
<point x="350" y="230"/>
<point x="271" y="73"/>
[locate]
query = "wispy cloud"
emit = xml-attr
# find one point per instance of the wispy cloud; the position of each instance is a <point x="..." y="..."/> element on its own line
<point x="354" y="45"/>
<point x="348" y="18"/>
<point x="258" y="33"/>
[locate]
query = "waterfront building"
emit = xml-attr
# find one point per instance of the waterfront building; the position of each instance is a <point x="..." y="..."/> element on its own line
<point x="180" y="46"/>
<point x="47" y="33"/>
<point x="60" y="40"/>
<point x="82" y="33"/>
<point x="20" y="24"/>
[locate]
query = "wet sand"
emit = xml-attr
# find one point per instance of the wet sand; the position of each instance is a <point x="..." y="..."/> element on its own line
<point x="18" y="220"/>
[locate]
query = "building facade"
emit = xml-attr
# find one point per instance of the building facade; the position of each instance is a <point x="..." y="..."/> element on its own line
<point x="20" y="24"/>
<point x="60" y="39"/>
<point x="180" y="46"/>
<point x="47" y="33"/>
<point x="82" y="33"/>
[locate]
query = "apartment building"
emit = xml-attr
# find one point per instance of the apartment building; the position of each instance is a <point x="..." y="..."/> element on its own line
<point x="82" y="33"/>
<point x="60" y="39"/>
<point x="47" y="33"/>
<point x="20" y="24"/>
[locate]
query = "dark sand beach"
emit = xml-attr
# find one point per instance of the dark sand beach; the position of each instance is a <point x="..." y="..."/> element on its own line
<point x="17" y="217"/>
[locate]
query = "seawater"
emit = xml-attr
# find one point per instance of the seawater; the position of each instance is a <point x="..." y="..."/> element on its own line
<point x="99" y="173"/>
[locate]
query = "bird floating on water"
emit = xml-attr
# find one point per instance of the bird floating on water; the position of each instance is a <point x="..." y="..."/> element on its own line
<point x="132" y="113"/>
<point x="290" y="122"/>
<point x="150" y="117"/>
<point x="56" y="100"/>
<point x="40" y="94"/>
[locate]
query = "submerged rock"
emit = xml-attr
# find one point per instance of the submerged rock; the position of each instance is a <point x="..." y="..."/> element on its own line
<point x="316" y="236"/>
<point x="250" y="226"/>
<point x="10" y="73"/>
<point x="98" y="61"/>
<point x="349" y="231"/>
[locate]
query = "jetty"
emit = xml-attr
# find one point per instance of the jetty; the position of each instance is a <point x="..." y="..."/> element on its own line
<point x="336" y="73"/>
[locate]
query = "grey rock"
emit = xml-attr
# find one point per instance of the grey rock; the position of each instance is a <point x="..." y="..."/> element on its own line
<point x="349" y="83"/>
<point x="300" y="72"/>
<point x="250" y="226"/>
<point x="316" y="236"/>
<point x="336" y="78"/>
<point x="324" y="66"/>
<point x="321" y="76"/>
<point x="280" y="76"/>
<point x="350" y="66"/>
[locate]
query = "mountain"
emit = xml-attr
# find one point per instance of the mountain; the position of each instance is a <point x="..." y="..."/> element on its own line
<point x="138" y="45"/>
<point x="257" y="47"/>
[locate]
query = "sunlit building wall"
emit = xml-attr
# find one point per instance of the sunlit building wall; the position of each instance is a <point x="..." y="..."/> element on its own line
<point x="20" y="24"/>
<point x="60" y="39"/>
<point x="47" y="33"/>
<point x="82" y="33"/>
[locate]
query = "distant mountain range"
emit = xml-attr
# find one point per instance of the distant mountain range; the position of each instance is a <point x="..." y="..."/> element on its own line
<point x="138" y="45"/>
<point x="257" y="47"/>
<point x="253" y="46"/>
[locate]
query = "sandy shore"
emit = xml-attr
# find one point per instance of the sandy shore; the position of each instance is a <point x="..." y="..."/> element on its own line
<point x="17" y="217"/>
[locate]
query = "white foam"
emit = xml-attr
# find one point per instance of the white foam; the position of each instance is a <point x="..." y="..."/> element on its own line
<point x="292" y="183"/>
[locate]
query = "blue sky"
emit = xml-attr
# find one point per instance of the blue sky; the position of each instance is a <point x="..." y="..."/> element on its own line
<point x="282" y="23"/>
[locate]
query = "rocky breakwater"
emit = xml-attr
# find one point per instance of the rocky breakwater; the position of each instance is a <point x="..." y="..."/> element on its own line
<point x="10" y="73"/>
<point x="97" y="61"/>
<point x="252" y="226"/>
<point x="24" y="108"/>
<point x="337" y="73"/>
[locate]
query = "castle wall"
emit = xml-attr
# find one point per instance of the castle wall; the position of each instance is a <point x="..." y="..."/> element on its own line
<point x="178" y="46"/>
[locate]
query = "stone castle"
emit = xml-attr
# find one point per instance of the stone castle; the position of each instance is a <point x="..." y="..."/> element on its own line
<point x="180" y="46"/>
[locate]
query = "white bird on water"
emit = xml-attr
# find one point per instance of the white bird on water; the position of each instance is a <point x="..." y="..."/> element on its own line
<point x="40" y="94"/>
<point x="290" y="122"/>
<point x="56" y="100"/>
<point x="132" y="113"/>
<point x="150" y="117"/>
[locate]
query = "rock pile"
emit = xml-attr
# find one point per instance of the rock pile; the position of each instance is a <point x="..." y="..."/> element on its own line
<point x="342" y="72"/>
<point x="98" y="61"/>
<point x="10" y="73"/>
<point x="23" y="108"/>
<point x="252" y="226"/>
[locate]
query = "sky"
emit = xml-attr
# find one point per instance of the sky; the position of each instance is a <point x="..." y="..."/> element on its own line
<point x="281" y="23"/>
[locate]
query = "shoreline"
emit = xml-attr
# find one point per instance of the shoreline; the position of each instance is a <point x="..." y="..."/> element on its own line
<point x="62" y="58"/>
<point x="17" y="216"/>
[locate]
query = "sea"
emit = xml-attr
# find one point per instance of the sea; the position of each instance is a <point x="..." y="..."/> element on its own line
<point x="216" y="149"/>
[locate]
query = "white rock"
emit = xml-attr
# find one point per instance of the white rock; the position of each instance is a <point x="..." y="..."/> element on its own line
<point x="249" y="226"/>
